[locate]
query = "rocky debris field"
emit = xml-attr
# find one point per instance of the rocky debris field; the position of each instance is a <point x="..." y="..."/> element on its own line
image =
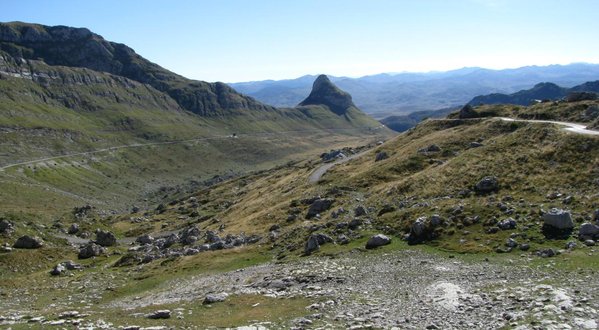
<point x="407" y="290"/>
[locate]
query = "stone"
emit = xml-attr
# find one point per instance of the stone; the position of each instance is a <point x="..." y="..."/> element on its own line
<point x="354" y="224"/>
<point x="546" y="253"/>
<point x="558" y="218"/>
<point x="589" y="242"/>
<point x="377" y="240"/>
<point x="596" y="216"/>
<point x="58" y="270"/>
<point x="190" y="235"/>
<point x="436" y="220"/>
<point x="274" y="227"/>
<point x="5" y="226"/>
<point x="524" y="247"/>
<point x="105" y="238"/>
<point x="73" y="229"/>
<point x="487" y="185"/>
<point x="387" y="208"/>
<point x="360" y="211"/>
<point x="70" y="265"/>
<point x="90" y="250"/>
<point x="318" y="206"/>
<point x="214" y="298"/>
<point x="507" y="224"/>
<point x="418" y="227"/>
<point x="381" y="155"/>
<point x="28" y="242"/>
<point x="475" y="144"/>
<point x="570" y="245"/>
<point x="342" y="239"/>
<point x="315" y="241"/>
<point x="145" y="239"/>
<point x="510" y="242"/>
<point x="160" y="314"/>
<point x="588" y="230"/>
<point x="430" y="149"/>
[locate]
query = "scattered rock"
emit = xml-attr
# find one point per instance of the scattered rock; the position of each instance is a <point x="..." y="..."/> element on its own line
<point x="28" y="242"/>
<point x="589" y="242"/>
<point x="6" y="226"/>
<point x="105" y="238"/>
<point x="571" y="245"/>
<point x="58" y="270"/>
<point x="487" y="185"/>
<point x="73" y="229"/>
<point x="546" y="253"/>
<point x="315" y="241"/>
<point x="91" y="250"/>
<point x="381" y="155"/>
<point x="377" y="240"/>
<point x="510" y="242"/>
<point x="430" y="149"/>
<point x="160" y="314"/>
<point x="507" y="224"/>
<point x="214" y="298"/>
<point x="145" y="239"/>
<point x="558" y="218"/>
<point x="588" y="231"/>
<point x="318" y="206"/>
<point x="360" y="211"/>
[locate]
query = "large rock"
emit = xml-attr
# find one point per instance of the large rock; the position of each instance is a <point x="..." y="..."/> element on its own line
<point x="28" y="242"/>
<point x="318" y="206"/>
<point x="73" y="229"/>
<point x="487" y="185"/>
<point x="558" y="218"/>
<point x="377" y="240"/>
<point x="105" y="238"/>
<point x="588" y="230"/>
<point x="91" y="250"/>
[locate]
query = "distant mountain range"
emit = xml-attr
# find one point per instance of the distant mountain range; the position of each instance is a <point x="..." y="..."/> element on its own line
<point x="394" y="94"/>
<point x="540" y="92"/>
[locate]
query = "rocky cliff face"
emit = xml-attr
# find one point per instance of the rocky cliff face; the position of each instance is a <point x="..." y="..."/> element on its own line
<point x="324" y="92"/>
<point x="79" y="47"/>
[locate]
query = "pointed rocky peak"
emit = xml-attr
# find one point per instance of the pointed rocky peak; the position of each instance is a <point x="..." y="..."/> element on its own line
<point x="324" y="92"/>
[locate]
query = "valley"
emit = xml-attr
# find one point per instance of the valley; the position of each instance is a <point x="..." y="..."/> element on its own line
<point x="134" y="198"/>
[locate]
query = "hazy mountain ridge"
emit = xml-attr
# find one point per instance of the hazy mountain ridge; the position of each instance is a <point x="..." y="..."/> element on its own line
<point x="541" y="91"/>
<point x="387" y="94"/>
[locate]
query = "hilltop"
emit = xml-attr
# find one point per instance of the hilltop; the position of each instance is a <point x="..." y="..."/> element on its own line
<point x="540" y="92"/>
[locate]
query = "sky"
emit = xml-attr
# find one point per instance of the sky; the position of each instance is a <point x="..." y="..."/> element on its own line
<point x="244" y="40"/>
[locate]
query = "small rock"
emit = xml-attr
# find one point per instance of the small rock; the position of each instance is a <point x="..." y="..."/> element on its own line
<point x="58" y="270"/>
<point x="524" y="247"/>
<point x="318" y="206"/>
<point x="73" y="229"/>
<point x="381" y="155"/>
<point x="377" y="240"/>
<point x="5" y="226"/>
<point x="145" y="239"/>
<point x="360" y="211"/>
<point x="589" y="242"/>
<point x="507" y="224"/>
<point x="160" y="314"/>
<point x="487" y="185"/>
<point x="214" y="298"/>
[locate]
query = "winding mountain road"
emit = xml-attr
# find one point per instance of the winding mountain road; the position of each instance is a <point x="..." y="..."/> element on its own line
<point x="317" y="174"/>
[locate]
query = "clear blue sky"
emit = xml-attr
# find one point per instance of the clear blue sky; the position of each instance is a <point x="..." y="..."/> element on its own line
<point x="240" y="40"/>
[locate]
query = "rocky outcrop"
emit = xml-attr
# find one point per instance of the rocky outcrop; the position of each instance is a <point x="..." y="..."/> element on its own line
<point x="79" y="47"/>
<point x="467" y="112"/>
<point x="324" y="92"/>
